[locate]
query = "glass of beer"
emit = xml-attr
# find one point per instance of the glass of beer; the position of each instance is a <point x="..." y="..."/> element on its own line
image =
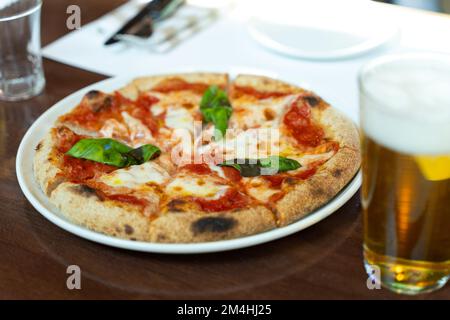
<point x="405" y="124"/>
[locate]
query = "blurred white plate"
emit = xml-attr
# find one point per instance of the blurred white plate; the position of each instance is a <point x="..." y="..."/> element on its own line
<point x="323" y="29"/>
<point x="31" y="190"/>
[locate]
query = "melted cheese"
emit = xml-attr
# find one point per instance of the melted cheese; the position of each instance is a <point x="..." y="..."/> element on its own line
<point x="217" y="170"/>
<point x="266" y="113"/>
<point x="138" y="132"/>
<point x="249" y="144"/>
<point x="179" y="118"/>
<point x="196" y="186"/>
<point x="259" y="189"/>
<point x="132" y="131"/>
<point x="136" y="176"/>
<point x="113" y="129"/>
<point x="157" y="109"/>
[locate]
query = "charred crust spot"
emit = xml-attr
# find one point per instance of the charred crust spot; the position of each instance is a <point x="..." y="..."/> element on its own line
<point x="108" y="102"/>
<point x="312" y="101"/>
<point x="213" y="224"/>
<point x="38" y="147"/>
<point x="318" y="192"/>
<point x="84" y="191"/>
<point x="53" y="184"/>
<point x="269" y="114"/>
<point x="128" y="229"/>
<point x="160" y="237"/>
<point x="98" y="106"/>
<point x="92" y="94"/>
<point x="176" y="205"/>
<point x="98" y="101"/>
<point x="337" y="173"/>
<point x="188" y="105"/>
<point x="290" y="181"/>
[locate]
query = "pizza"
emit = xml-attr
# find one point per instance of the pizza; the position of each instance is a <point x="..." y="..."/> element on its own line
<point x="196" y="157"/>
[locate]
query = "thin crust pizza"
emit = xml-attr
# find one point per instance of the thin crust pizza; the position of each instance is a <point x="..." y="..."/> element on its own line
<point x="196" y="157"/>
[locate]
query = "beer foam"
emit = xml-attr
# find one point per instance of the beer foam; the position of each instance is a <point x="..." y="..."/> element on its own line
<point x="405" y="103"/>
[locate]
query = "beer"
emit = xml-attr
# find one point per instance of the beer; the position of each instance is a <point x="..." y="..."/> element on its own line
<point x="405" y="129"/>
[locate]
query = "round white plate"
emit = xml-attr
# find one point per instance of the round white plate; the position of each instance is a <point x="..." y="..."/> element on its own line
<point x="323" y="30"/>
<point x="40" y="202"/>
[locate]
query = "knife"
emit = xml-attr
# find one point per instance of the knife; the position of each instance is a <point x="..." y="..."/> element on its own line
<point x="142" y="23"/>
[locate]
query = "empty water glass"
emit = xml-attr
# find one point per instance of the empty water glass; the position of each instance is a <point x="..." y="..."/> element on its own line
<point x="21" y="73"/>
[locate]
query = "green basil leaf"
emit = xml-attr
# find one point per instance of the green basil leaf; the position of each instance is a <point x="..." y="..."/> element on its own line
<point x="247" y="167"/>
<point x="266" y="166"/>
<point x="216" y="108"/>
<point x="281" y="164"/>
<point x="112" y="152"/>
<point x="145" y="153"/>
<point x="220" y="117"/>
<point x="214" y="97"/>
<point x="231" y="164"/>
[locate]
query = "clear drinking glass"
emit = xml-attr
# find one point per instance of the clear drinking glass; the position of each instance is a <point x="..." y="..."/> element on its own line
<point x="405" y="124"/>
<point x="21" y="73"/>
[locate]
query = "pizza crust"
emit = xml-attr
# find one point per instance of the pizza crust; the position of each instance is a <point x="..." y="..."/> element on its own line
<point x="331" y="177"/>
<point x="144" y="84"/>
<point x="262" y="83"/>
<point x="202" y="227"/>
<point x="320" y="188"/>
<point x="45" y="170"/>
<point x="82" y="206"/>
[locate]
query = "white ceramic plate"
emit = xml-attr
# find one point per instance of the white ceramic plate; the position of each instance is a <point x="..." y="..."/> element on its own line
<point x="323" y="30"/>
<point x="40" y="202"/>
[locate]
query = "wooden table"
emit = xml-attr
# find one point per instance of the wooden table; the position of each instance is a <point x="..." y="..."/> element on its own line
<point x="321" y="262"/>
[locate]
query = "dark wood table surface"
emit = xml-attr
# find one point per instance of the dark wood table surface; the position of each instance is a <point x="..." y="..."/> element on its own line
<point x="321" y="262"/>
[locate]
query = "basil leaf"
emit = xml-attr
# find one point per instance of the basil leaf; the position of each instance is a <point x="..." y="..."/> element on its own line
<point x="214" y="97"/>
<point x="144" y="153"/>
<point x="216" y="108"/>
<point x="247" y="167"/>
<point x="220" y="117"/>
<point x="281" y="164"/>
<point x="112" y="152"/>
<point x="265" y="166"/>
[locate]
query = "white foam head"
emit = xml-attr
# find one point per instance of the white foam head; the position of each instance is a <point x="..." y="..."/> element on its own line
<point x="405" y="102"/>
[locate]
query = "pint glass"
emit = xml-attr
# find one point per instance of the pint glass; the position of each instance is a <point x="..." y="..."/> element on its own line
<point x="405" y="124"/>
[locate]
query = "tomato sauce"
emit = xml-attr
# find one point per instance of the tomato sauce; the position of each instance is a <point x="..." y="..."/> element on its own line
<point x="303" y="175"/>
<point x="232" y="174"/>
<point x="274" y="181"/>
<point x="74" y="169"/>
<point x="198" y="168"/>
<point x="66" y="138"/>
<point x="93" y="118"/>
<point x="239" y="91"/>
<point x="127" y="198"/>
<point x="298" y="121"/>
<point x="80" y="170"/>
<point x="177" y="84"/>
<point x="232" y="199"/>
<point x="276" y="197"/>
